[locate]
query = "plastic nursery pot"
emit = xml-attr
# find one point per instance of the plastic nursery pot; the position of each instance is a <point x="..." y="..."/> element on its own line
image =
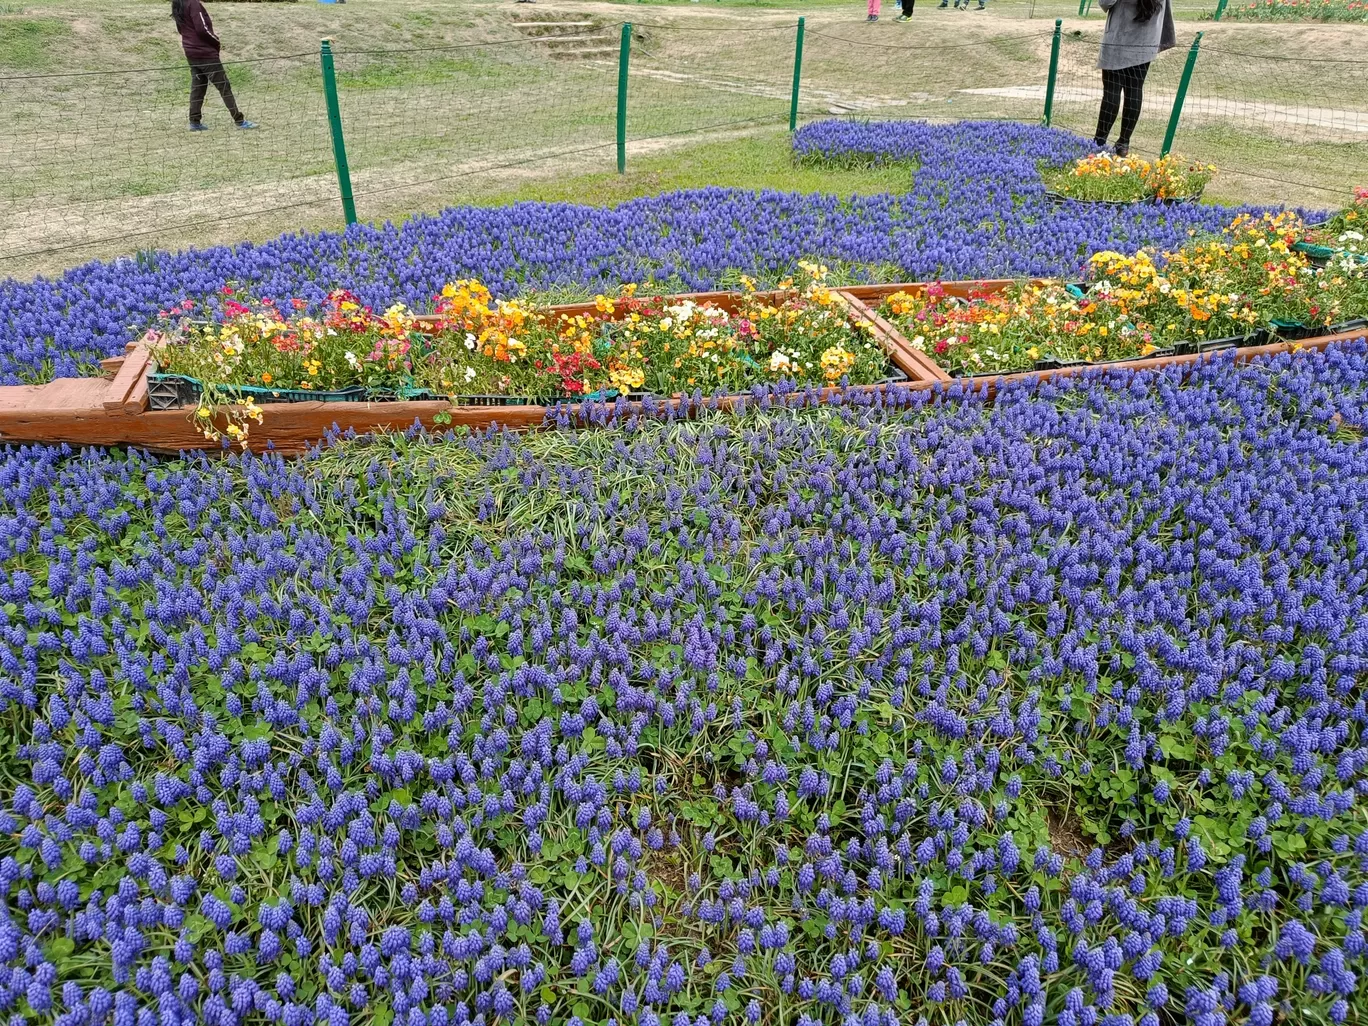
<point x="1346" y="326"/>
<point x="305" y="395"/>
<point x="172" y="391"/>
<point x="1317" y="254"/>
<point x="408" y="395"/>
<point x="1058" y="199"/>
<point x="1215" y="345"/>
<point x="496" y="400"/>
<point x="1050" y="363"/>
<point x="1158" y="354"/>
<point x="1174" y="201"/>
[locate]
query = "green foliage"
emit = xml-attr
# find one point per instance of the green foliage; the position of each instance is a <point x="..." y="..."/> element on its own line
<point x="29" y="43"/>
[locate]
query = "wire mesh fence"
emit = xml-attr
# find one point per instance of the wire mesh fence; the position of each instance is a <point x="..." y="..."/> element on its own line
<point x="1264" y="116"/>
<point x="418" y="123"/>
<point x="998" y="76"/>
<point x="686" y="79"/>
<point x="87" y="158"/>
<point x="99" y="163"/>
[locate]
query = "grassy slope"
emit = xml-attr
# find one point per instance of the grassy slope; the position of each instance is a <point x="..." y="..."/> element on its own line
<point x="428" y="129"/>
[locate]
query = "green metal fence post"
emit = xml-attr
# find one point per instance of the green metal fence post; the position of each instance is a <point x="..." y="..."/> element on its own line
<point x="1183" y="84"/>
<point x="1220" y="9"/>
<point x="1081" y="4"/>
<point x="1054" y="74"/>
<point x="797" y="76"/>
<point x="624" y="59"/>
<point x="335" y="129"/>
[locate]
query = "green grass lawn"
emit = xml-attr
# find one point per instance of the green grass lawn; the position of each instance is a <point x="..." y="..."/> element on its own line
<point x="761" y="160"/>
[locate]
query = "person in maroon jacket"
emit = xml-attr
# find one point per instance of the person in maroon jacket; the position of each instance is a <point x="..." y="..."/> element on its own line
<point x="202" y="51"/>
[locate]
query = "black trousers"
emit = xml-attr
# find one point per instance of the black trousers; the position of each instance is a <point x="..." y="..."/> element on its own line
<point x="907" y="6"/>
<point x="1123" y="92"/>
<point x="202" y="74"/>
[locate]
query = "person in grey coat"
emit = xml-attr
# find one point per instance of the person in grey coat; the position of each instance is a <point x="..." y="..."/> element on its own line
<point x="1137" y="31"/>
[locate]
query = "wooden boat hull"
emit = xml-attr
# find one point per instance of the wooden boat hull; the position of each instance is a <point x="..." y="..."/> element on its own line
<point x="112" y="411"/>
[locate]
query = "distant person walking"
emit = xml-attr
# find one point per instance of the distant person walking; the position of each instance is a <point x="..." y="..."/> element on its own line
<point x="202" y="51"/>
<point x="1137" y="31"/>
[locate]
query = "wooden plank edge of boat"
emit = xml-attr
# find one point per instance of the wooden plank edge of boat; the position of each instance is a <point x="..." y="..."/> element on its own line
<point x="112" y="410"/>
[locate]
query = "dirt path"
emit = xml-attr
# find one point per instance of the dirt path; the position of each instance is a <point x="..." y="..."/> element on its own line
<point x="102" y="229"/>
<point x="1352" y="122"/>
<point x="692" y="65"/>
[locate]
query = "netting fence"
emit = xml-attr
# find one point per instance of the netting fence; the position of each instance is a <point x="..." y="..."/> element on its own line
<point x="97" y="164"/>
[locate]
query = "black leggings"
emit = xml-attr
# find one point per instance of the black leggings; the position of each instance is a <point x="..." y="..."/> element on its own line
<point x="1131" y="82"/>
<point x="202" y="73"/>
<point x="907" y="6"/>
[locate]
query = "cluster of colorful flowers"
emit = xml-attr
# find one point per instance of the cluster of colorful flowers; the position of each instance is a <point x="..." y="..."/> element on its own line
<point x="881" y="712"/>
<point x="1347" y="230"/>
<point x="974" y="209"/>
<point x="1102" y="177"/>
<point x="1297" y="10"/>
<point x="1247" y="280"/>
<point x="477" y="345"/>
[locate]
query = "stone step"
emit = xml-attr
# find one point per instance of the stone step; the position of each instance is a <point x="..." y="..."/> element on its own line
<point x="600" y="37"/>
<point x="593" y="51"/>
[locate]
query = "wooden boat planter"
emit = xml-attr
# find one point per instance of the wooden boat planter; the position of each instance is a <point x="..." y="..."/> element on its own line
<point x="115" y="409"/>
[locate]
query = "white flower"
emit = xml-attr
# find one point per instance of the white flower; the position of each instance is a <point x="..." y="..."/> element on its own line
<point x="470" y="373"/>
<point x="666" y="324"/>
<point x="351" y="359"/>
<point x="470" y="341"/>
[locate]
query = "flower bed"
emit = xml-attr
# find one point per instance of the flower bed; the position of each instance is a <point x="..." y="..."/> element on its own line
<point x="1341" y="236"/>
<point x="479" y="351"/>
<point x="972" y="210"/>
<point x="1103" y="178"/>
<point x="1244" y="287"/>
<point x="1041" y="712"/>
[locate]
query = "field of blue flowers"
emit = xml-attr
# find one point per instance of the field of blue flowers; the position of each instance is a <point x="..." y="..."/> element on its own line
<point x="975" y="208"/>
<point x="860" y="714"/>
<point x="885" y="712"/>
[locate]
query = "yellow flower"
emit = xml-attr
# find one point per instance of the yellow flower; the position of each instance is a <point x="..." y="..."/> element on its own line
<point x="836" y="363"/>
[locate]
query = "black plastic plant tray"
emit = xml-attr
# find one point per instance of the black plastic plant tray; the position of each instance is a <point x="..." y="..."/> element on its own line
<point x="1058" y="198"/>
<point x="498" y="400"/>
<point x="172" y="391"/>
<point x="1188" y="346"/>
<point x="1286" y="331"/>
